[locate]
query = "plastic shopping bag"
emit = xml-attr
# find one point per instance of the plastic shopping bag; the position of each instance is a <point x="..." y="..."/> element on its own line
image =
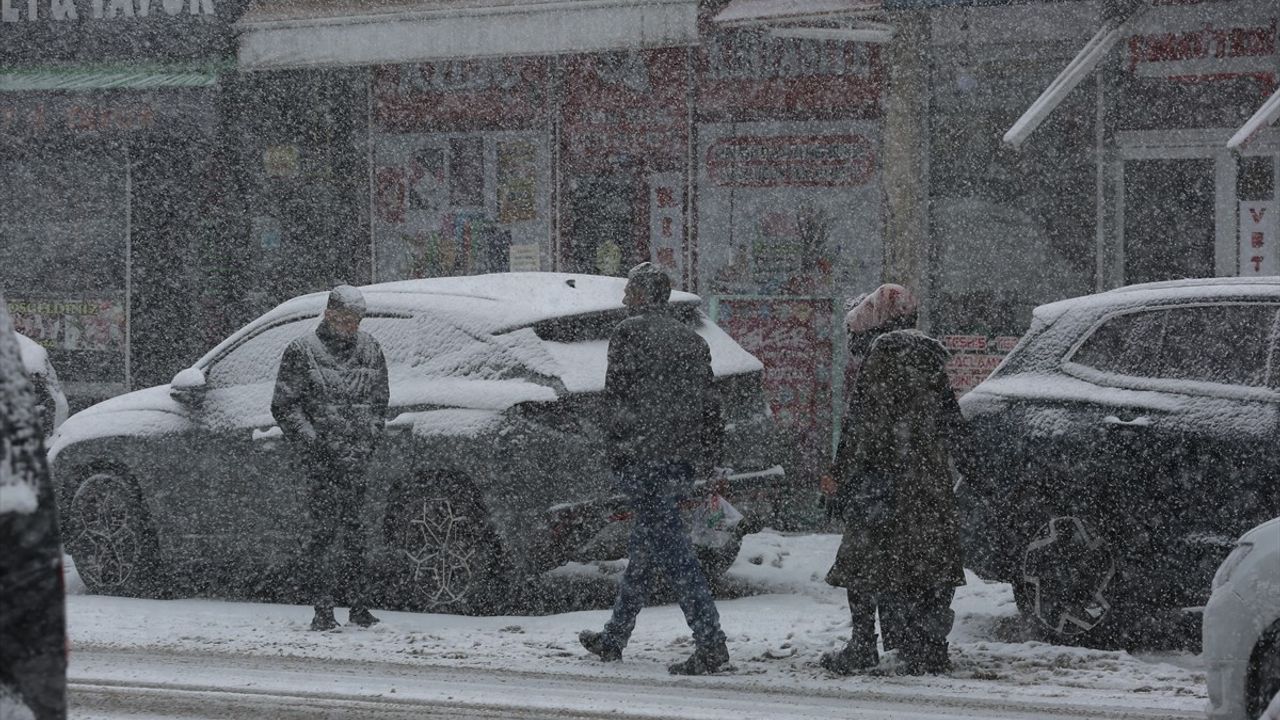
<point x="714" y="522"/>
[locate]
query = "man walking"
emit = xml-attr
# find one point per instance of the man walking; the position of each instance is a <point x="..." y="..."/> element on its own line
<point x="331" y="401"/>
<point x="666" y="426"/>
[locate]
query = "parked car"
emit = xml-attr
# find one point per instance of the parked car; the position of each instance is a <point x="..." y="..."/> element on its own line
<point x="50" y="400"/>
<point x="1127" y="440"/>
<point x="33" y="663"/>
<point x="492" y="467"/>
<point x="1242" y="628"/>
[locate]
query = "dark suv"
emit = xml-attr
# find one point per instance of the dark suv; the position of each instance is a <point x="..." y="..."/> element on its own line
<point x="1127" y="440"/>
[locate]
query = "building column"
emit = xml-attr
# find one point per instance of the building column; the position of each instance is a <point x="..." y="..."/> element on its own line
<point x="905" y="156"/>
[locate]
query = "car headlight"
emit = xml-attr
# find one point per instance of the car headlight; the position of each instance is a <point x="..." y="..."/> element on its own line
<point x="1237" y="556"/>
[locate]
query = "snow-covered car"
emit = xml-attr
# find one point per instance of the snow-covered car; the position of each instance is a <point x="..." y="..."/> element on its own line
<point x="492" y="468"/>
<point x="50" y="400"/>
<point x="1127" y="440"/>
<point x="1241" y="633"/>
<point x="33" y="663"/>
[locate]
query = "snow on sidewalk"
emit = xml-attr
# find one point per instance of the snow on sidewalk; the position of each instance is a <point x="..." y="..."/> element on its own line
<point x="775" y="634"/>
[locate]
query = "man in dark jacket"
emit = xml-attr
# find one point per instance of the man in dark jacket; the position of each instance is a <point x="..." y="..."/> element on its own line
<point x="901" y="548"/>
<point x="331" y="401"/>
<point x="666" y="426"/>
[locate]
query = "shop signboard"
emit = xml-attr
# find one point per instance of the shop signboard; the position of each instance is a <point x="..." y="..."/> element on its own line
<point x="626" y="109"/>
<point x="974" y="357"/>
<point x="40" y="31"/>
<point x="84" y="334"/>
<point x="488" y="94"/>
<point x="793" y="337"/>
<point x="751" y="74"/>
<point x="1184" y="43"/>
<point x="1259" y="236"/>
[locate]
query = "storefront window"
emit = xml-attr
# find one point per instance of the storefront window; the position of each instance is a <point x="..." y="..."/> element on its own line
<point x="462" y="169"/>
<point x="1012" y="229"/>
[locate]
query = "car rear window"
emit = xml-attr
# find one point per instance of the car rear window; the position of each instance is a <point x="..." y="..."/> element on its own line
<point x="600" y="325"/>
<point x="1222" y="344"/>
<point x="1226" y="344"/>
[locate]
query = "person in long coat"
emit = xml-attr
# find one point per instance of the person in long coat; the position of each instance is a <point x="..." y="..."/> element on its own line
<point x="901" y="547"/>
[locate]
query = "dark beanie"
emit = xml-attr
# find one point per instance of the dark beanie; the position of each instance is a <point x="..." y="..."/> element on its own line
<point x="654" y="284"/>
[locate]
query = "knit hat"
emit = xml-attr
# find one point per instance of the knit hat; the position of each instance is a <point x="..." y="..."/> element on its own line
<point x="881" y="307"/>
<point x="654" y="284"/>
<point x="347" y="298"/>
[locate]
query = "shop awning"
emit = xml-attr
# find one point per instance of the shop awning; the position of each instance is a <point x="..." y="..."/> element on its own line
<point x="336" y="33"/>
<point x="1266" y="115"/>
<point x="757" y="12"/>
<point x="131" y="77"/>
<point x="1080" y="66"/>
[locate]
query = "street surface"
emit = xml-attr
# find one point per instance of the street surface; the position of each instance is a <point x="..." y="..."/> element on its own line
<point x="115" y="685"/>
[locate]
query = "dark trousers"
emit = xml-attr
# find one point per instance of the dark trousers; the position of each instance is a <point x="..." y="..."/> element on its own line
<point x="660" y="543"/>
<point x="335" y="500"/>
<point x="914" y="621"/>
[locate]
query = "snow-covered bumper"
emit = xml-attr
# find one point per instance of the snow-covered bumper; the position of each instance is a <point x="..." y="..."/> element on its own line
<point x="1229" y="637"/>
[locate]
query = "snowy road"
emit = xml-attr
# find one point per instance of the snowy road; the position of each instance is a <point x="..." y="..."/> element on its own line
<point x="114" y="685"/>
<point x="204" y="658"/>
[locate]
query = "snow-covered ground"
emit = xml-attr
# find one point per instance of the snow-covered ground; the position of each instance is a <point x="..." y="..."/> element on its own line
<point x="781" y="618"/>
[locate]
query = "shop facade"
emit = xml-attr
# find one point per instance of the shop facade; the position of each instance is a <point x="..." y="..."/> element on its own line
<point x="112" y="174"/>
<point x="1126" y="179"/>
<point x="745" y="164"/>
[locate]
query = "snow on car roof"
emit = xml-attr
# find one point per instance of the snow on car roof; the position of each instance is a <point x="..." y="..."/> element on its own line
<point x="1164" y="292"/>
<point x="487" y="304"/>
<point x="508" y="300"/>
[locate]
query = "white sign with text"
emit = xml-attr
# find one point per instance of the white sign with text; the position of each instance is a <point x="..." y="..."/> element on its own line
<point x="1258" y="238"/>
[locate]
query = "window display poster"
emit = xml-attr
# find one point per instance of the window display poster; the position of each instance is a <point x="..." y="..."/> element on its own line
<point x="793" y="337"/>
<point x="448" y="204"/>
<point x="666" y="224"/>
<point x="1258" y="238"/>
<point x="79" y="324"/>
<point x="466" y="171"/>
<point x="789" y="208"/>
<point x="517" y="182"/>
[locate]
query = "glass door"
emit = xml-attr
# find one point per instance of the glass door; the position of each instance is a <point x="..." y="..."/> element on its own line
<point x="1169" y="219"/>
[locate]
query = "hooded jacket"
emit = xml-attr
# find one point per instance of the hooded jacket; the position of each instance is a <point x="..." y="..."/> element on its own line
<point x="894" y="473"/>
<point x="332" y="393"/>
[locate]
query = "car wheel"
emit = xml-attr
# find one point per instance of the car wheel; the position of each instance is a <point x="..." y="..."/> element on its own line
<point x="444" y="552"/>
<point x="1264" y="673"/>
<point x="110" y="538"/>
<point x="1066" y="579"/>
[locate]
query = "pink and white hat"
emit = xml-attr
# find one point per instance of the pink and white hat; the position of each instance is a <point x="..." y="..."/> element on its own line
<point x="880" y="307"/>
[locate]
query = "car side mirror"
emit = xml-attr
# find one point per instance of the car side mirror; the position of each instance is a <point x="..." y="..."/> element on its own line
<point x="188" y="387"/>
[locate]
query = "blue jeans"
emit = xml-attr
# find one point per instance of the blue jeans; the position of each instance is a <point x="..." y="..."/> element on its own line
<point x="660" y="542"/>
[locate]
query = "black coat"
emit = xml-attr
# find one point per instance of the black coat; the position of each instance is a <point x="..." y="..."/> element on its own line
<point x="663" y="401"/>
<point x="902" y="430"/>
<point x="331" y="393"/>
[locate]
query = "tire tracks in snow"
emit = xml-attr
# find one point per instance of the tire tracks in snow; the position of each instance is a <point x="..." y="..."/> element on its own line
<point x="133" y="684"/>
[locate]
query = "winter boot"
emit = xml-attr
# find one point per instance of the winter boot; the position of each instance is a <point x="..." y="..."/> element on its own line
<point x="324" y="619"/>
<point x="850" y="659"/>
<point x="703" y="661"/>
<point x="595" y="644"/>
<point x="362" y="617"/>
